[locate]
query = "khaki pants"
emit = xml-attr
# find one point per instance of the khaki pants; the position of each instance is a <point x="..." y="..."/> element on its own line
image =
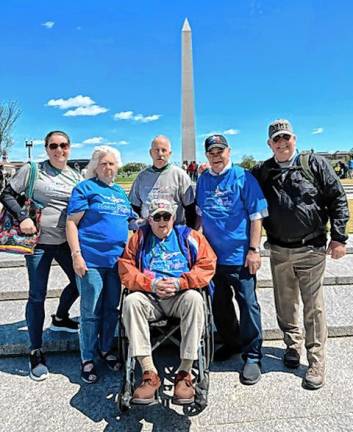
<point x="294" y="271"/>
<point x="140" y="308"/>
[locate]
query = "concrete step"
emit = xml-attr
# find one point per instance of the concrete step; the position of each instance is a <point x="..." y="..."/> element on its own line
<point x="12" y="260"/>
<point x="13" y="329"/>
<point x="337" y="272"/>
<point x="14" y="337"/>
<point x="14" y="281"/>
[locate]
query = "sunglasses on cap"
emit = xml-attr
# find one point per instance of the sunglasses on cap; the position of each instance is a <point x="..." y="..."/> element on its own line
<point x="165" y="216"/>
<point x="54" y="146"/>
<point x="284" y="136"/>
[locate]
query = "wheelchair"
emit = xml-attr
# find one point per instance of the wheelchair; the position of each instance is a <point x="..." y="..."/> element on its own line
<point x="166" y="330"/>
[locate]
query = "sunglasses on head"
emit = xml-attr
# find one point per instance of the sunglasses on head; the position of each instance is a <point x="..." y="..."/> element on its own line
<point x="284" y="136"/>
<point x="54" y="146"/>
<point x="165" y="216"/>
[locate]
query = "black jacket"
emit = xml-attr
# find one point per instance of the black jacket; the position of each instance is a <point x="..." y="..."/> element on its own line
<point x="299" y="209"/>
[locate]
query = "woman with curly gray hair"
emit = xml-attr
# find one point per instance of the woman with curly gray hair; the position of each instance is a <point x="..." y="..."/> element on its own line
<point x="97" y="231"/>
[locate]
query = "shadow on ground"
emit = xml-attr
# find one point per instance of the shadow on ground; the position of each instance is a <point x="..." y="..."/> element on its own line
<point x="97" y="402"/>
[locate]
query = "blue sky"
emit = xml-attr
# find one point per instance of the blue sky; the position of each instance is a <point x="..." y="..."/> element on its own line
<point x="109" y="72"/>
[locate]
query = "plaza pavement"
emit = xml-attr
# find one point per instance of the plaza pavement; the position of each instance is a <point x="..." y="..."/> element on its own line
<point x="276" y="403"/>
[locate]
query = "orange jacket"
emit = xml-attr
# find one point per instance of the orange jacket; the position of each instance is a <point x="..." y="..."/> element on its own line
<point x="199" y="275"/>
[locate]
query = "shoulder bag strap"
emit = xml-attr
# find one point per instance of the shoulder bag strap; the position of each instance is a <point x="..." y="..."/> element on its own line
<point x="32" y="177"/>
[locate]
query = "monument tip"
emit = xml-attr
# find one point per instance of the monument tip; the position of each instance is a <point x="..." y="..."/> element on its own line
<point x="186" y="26"/>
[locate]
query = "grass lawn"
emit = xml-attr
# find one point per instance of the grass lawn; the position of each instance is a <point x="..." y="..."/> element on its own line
<point x="350" y="222"/>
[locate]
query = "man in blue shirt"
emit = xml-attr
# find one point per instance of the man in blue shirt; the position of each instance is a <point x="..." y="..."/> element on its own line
<point x="232" y="206"/>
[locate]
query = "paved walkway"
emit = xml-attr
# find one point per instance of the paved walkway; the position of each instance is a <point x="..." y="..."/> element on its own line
<point x="277" y="403"/>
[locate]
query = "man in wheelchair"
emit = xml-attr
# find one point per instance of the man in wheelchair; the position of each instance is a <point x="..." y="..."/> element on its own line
<point x="163" y="267"/>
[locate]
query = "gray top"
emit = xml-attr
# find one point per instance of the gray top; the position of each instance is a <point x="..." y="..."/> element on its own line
<point x="52" y="190"/>
<point x="172" y="184"/>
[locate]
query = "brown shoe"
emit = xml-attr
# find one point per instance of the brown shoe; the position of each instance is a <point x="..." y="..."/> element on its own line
<point x="184" y="392"/>
<point x="146" y="392"/>
<point x="314" y="377"/>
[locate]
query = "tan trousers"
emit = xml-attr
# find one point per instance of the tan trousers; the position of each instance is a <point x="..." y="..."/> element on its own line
<point x="300" y="271"/>
<point x="139" y="309"/>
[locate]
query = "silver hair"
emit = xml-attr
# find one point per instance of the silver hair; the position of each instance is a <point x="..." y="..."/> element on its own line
<point x="97" y="155"/>
<point x="158" y="137"/>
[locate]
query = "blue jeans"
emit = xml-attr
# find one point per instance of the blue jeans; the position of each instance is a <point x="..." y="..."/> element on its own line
<point x="38" y="267"/>
<point x="100" y="295"/>
<point x="249" y="328"/>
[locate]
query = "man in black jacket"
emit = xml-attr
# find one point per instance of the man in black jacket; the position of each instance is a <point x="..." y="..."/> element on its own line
<point x="303" y="194"/>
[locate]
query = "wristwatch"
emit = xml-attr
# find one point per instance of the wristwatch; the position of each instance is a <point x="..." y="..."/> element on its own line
<point x="254" y="249"/>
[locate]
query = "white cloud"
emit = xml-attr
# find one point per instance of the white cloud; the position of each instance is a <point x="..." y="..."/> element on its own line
<point x="38" y="142"/>
<point x="124" y="115"/>
<point x="84" y="106"/>
<point x="77" y="145"/>
<point x="93" y="140"/>
<point x="91" y="110"/>
<point x="226" y="132"/>
<point x="122" y="142"/>
<point x="146" y="119"/>
<point x="317" y="131"/>
<point x="73" y="102"/>
<point x="231" y="132"/>
<point x="48" y="24"/>
<point x="139" y="118"/>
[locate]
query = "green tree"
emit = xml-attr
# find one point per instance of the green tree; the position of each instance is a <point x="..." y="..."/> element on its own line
<point x="9" y="113"/>
<point x="133" y="167"/>
<point x="248" y="162"/>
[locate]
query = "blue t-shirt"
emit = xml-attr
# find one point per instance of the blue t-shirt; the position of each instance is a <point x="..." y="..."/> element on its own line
<point x="103" y="229"/>
<point x="163" y="258"/>
<point x="228" y="202"/>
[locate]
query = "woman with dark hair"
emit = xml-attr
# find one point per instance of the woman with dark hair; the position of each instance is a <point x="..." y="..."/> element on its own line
<point x="52" y="189"/>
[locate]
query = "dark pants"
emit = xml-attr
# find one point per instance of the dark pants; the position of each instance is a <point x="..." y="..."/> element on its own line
<point x="38" y="266"/>
<point x="230" y="282"/>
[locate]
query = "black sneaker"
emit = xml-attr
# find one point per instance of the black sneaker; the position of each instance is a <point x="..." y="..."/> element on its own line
<point x="250" y="374"/>
<point x="291" y="358"/>
<point x="225" y="352"/>
<point x="38" y="370"/>
<point x="65" y="325"/>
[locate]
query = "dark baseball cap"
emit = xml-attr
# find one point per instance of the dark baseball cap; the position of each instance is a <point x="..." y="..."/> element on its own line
<point x="280" y="126"/>
<point x="215" y="141"/>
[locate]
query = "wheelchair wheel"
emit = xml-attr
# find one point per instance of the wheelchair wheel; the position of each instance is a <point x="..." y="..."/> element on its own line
<point x="208" y="333"/>
<point x="124" y="397"/>
<point x="201" y="392"/>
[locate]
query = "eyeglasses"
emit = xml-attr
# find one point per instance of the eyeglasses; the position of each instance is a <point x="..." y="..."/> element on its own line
<point x="54" y="146"/>
<point x="284" y="136"/>
<point x="165" y="216"/>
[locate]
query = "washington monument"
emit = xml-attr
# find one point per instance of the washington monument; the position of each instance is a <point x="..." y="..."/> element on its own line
<point x="187" y="91"/>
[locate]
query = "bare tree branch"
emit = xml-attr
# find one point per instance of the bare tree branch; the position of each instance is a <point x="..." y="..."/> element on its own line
<point x="9" y="113"/>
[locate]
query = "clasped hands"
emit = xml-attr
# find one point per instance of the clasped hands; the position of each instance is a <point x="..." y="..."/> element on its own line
<point x="166" y="287"/>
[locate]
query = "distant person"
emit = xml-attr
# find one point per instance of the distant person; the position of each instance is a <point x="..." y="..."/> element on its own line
<point x="301" y="199"/>
<point x="350" y="168"/>
<point x="231" y="205"/>
<point x="166" y="181"/>
<point x="191" y="169"/>
<point x="344" y="170"/>
<point x="338" y="169"/>
<point x="185" y="165"/>
<point x="97" y="231"/>
<point x="52" y="189"/>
